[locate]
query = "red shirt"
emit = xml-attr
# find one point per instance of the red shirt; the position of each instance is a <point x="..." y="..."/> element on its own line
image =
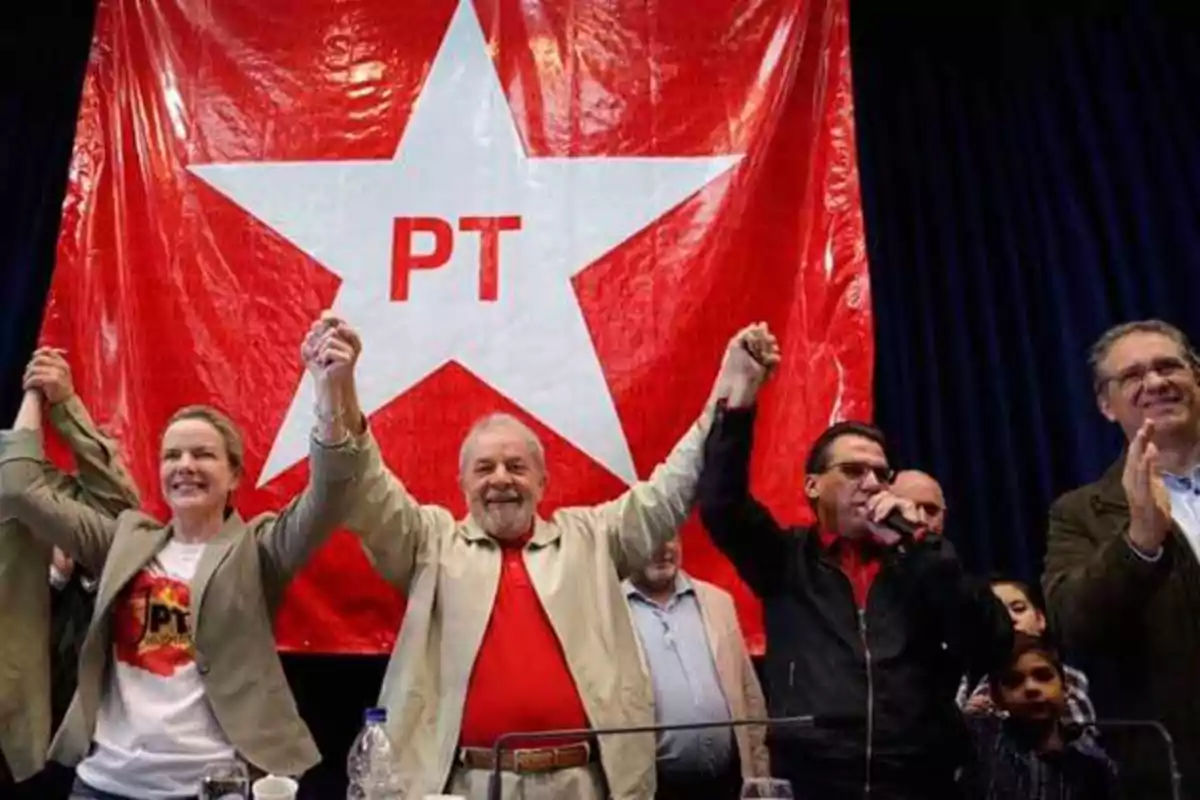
<point x="857" y="558"/>
<point x="520" y="681"/>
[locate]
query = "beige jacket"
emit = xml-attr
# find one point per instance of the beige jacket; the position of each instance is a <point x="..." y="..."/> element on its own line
<point x="101" y="484"/>
<point x="736" y="672"/>
<point x="235" y="593"/>
<point x="450" y="570"/>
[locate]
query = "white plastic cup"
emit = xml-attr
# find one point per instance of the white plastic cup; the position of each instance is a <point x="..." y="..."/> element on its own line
<point x="273" y="787"/>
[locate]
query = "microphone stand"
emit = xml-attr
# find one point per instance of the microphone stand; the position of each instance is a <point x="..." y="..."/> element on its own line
<point x="1164" y="734"/>
<point x="494" y="788"/>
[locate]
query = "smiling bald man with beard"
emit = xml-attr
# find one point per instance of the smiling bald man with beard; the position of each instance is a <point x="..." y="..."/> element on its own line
<point x="517" y="622"/>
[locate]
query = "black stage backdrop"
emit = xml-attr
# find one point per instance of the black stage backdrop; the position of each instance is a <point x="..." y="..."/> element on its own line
<point x="1027" y="182"/>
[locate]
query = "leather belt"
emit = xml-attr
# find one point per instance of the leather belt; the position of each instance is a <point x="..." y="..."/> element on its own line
<point x="528" y="759"/>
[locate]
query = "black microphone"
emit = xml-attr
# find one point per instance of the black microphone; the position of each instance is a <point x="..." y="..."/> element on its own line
<point x="805" y="721"/>
<point x="896" y="522"/>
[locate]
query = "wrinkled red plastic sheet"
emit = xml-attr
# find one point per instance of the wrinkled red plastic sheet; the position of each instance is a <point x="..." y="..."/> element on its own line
<point x="557" y="208"/>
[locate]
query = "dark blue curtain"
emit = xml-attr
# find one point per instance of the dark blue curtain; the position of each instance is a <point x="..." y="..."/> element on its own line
<point x="43" y="52"/>
<point x="1027" y="182"/>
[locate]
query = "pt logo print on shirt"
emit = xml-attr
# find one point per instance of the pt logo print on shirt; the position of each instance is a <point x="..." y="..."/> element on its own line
<point x="152" y="628"/>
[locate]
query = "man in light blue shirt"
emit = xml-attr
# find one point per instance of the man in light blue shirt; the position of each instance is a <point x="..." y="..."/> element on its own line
<point x="685" y="625"/>
<point x="1183" y="491"/>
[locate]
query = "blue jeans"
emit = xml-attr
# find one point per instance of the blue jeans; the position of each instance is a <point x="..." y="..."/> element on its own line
<point x="81" y="791"/>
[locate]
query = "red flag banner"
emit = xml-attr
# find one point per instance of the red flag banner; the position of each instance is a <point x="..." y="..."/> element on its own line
<point x="556" y="208"/>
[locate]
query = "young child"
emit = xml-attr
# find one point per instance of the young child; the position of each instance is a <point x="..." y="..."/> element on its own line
<point x="1030" y="753"/>
<point x="1028" y="618"/>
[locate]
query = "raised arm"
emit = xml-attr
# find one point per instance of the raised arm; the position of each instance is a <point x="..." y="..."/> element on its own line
<point x="741" y="527"/>
<point x="391" y="525"/>
<point x="101" y="480"/>
<point x="393" y="528"/>
<point x="338" y="459"/>
<point x="305" y="523"/>
<point x="650" y="512"/>
<point x="51" y="515"/>
<point x="29" y="413"/>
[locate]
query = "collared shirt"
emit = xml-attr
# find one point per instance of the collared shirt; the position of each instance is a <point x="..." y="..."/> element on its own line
<point x="857" y="558"/>
<point x="686" y="685"/>
<point x="1184" y="492"/>
<point x="1079" y="709"/>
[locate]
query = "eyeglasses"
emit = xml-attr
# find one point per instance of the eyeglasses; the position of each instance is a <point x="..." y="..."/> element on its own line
<point x="1134" y="376"/>
<point x="858" y="470"/>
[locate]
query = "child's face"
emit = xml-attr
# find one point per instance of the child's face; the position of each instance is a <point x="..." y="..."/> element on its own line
<point x="1025" y="615"/>
<point x="1032" y="689"/>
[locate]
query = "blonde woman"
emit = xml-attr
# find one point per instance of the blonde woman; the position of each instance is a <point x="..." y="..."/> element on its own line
<point x="179" y="668"/>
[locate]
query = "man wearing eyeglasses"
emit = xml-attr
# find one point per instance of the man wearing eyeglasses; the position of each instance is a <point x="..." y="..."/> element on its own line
<point x="1122" y="574"/>
<point x="863" y="628"/>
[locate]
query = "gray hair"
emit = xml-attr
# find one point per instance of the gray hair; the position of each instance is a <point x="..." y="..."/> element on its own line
<point x="1104" y="344"/>
<point x="499" y="419"/>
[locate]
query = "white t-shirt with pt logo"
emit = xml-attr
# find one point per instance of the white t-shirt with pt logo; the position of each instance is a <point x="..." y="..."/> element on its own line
<point x="155" y="731"/>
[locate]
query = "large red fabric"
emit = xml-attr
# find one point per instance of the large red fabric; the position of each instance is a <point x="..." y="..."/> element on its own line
<point x="652" y="177"/>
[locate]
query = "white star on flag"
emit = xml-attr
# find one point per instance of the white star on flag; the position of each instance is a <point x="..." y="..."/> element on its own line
<point x="518" y="328"/>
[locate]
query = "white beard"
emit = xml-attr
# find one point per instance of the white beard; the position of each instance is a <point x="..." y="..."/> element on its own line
<point x="506" y="520"/>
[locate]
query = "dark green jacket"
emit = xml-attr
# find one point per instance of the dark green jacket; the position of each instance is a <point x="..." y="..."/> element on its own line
<point x="100" y="483"/>
<point x="1135" y="624"/>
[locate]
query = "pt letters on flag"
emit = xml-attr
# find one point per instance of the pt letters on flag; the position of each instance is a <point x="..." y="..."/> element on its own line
<point x="556" y="208"/>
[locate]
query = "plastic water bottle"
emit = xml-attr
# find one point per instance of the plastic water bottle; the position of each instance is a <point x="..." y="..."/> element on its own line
<point x="371" y="765"/>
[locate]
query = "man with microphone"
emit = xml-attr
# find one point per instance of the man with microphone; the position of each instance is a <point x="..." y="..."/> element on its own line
<point x="869" y="624"/>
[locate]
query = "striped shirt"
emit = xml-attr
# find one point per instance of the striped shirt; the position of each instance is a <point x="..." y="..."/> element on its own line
<point x="1079" y="710"/>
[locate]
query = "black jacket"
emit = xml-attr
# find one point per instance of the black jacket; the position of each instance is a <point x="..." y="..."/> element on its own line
<point x="71" y="610"/>
<point x="894" y="665"/>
